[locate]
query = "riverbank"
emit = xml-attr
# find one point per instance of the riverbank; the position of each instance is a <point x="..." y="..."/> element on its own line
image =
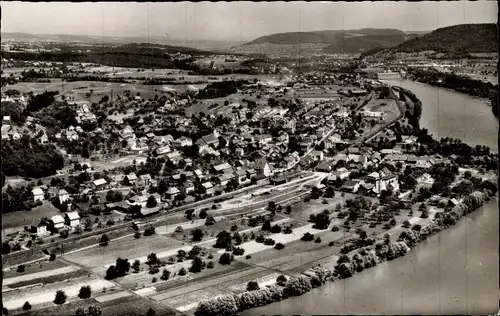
<point x="347" y="265"/>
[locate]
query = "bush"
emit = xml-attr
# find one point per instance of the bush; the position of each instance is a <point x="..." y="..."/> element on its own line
<point x="60" y="297"/>
<point x="85" y="292"/>
<point x="149" y="231"/>
<point x="335" y="228"/>
<point x="238" y="251"/>
<point x="260" y="239"/>
<point x="279" y="246"/>
<point x="26" y="306"/>
<point x="203" y="214"/>
<point x="137" y="235"/>
<point x="297" y="286"/>
<point x="197" y="234"/>
<point x="224" y="305"/>
<point x="209" y="221"/>
<point x="331" y="244"/>
<point x="317" y="240"/>
<point x="252" y="286"/>
<point x="153" y="280"/>
<point x="182" y="271"/>
<point x="151" y="312"/>
<point x="248" y="257"/>
<point x="52" y="257"/>
<point x="281" y="280"/>
<point x="234" y="227"/>
<point x="210" y="265"/>
<point x="20" y="268"/>
<point x="269" y="242"/>
<point x="154" y="269"/>
<point x="104" y="240"/>
<point x="307" y="237"/>
<point x="276" y="229"/>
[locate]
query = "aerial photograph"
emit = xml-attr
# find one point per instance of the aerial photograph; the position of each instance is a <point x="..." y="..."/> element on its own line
<point x="249" y="158"/>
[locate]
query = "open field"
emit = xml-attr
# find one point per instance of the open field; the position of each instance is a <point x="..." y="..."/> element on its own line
<point x="126" y="306"/>
<point x="25" y="218"/>
<point x="127" y="247"/>
<point x="39" y="295"/>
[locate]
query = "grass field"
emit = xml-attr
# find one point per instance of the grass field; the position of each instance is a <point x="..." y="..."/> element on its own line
<point x="25" y="218"/>
<point x="127" y="247"/>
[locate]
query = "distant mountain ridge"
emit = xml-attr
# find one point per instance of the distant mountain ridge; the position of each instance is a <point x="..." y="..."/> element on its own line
<point x="115" y="40"/>
<point x="328" y="41"/>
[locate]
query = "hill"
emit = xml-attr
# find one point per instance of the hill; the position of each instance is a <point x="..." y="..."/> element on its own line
<point x="336" y="41"/>
<point x="463" y="38"/>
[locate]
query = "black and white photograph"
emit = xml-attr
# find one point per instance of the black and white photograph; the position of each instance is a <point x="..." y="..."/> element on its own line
<point x="249" y="158"/>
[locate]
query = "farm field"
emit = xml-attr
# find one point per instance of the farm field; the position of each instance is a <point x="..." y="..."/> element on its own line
<point x="127" y="248"/>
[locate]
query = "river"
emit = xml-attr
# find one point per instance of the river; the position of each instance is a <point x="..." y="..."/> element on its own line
<point x="446" y="113"/>
<point x="453" y="272"/>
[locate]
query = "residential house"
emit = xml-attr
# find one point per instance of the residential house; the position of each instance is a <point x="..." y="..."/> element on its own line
<point x="174" y="157"/>
<point x="323" y="167"/>
<point x="130" y="179"/>
<point x="63" y="196"/>
<point x="209" y="188"/>
<point x="352" y="186"/>
<point x="183" y="141"/>
<point x="72" y="219"/>
<point x="99" y="184"/>
<point x="188" y="187"/>
<point x="221" y="167"/>
<point x="58" y="221"/>
<point x="163" y="150"/>
<point x="264" y="139"/>
<point x="239" y="152"/>
<point x="262" y="168"/>
<point x="172" y="192"/>
<point x="198" y="174"/>
<point x="241" y="176"/>
<point x="146" y="178"/>
<point x="38" y="194"/>
<point x="341" y="174"/>
<point x="38" y="227"/>
<point x="211" y="140"/>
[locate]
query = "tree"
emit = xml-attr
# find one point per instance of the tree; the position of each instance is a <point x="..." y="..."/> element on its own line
<point x="266" y="226"/>
<point x="20" y="268"/>
<point x="26" y="306"/>
<point x="281" y="280"/>
<point x="308" y="237"/>
<point x="122" y="267"/>
<point x="151" y="312"/>
<point x="149" y="231"/>
<point x="5" y="247"/>
<point x="151" y="202"/>
<point x="197" y="265"/>
<point x="60" y="297"/>
<point x="203" y="214"/>
<point x="94" y="310"/>
<point x="209" y="221"/>
<point x="322" y="220"/>
<point x="104" y="240"/>
<point x="271" y="206"/>
<point x="197" y="234"/>
<point x="165" y="275"/>
<point x="253" y="286"/>
<point x="152" y="259"/>
<point x="288" y="209"/>
<point x="276" y="229"/>
<point x="329" y="192"/>
<point x="85" y="292"/>
<point x="224" y="240"/>
<point x="182" y="271"/>
<point x="226" y="258"/>
<point x="136" y="266"/>
<point x="279" y="246"/>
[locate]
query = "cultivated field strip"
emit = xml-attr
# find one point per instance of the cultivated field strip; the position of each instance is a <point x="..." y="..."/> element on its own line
<point x="37" y="275"/>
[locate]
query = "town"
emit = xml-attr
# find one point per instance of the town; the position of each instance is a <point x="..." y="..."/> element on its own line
<point x="215" y="182"/>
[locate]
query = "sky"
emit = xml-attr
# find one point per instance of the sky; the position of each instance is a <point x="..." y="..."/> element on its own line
<point x="235" y="20"/>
